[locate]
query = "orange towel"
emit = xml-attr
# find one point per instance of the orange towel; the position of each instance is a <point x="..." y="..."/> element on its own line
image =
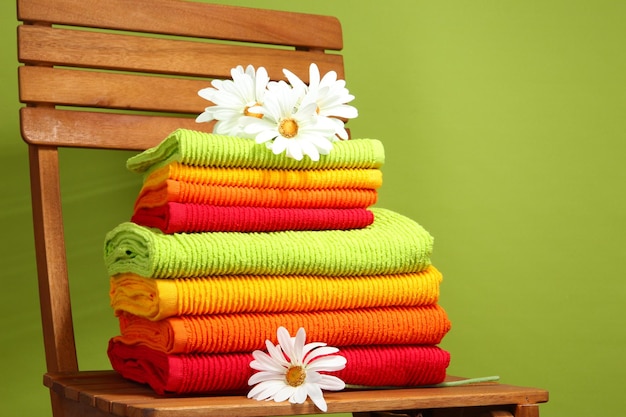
<point x="267" y="178"/>
<point x="425" y="325"/>
<point x="184" y="192"/>
<point x="156" y="299"/>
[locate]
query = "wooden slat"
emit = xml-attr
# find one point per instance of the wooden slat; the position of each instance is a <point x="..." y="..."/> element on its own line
<point x="82" y="129"/>
<point x="190" y="19"/>
<point x="105" y="390"/>
<point x="44" y="126"/>
<point x="110" y="90"/>
<point x="344" y="402"/>
<point x="50" y="46"/>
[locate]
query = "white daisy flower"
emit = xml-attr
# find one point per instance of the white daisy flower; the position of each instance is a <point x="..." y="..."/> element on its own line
<point x="329" y="94"/>
<point x="288" y="126"/>
<point x="291" y="370"/>
<point x="233" y="99"/>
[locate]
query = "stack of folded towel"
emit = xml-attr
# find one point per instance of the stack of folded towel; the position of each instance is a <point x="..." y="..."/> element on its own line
<point x="228" y="242"/>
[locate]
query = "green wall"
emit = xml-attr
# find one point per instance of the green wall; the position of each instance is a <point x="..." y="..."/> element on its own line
<point x="505" y="137"/>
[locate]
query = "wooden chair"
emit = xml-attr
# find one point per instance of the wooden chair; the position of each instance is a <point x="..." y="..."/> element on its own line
<point x="85" y="54"/>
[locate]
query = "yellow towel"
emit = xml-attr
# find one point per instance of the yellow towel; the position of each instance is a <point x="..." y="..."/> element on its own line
<point x="156" y="299"/>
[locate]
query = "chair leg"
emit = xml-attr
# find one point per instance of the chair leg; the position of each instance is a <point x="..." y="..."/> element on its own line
<point x="497" y="413"/>
<point x="522" y="410"/>
<point x="527" y="410"/>
<point x="404" y="413"/>
<point x="58" y="405"/>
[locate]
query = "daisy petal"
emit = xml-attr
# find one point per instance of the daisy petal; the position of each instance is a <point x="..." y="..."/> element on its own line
<point x="316" y="395"/>
<point x="311" y="346"/>
<point x="299" y="396"/>
<point x="284" y="340"/>
<point x="279" y="145"/>
<point x="294" y="150"/>
<point x="265" y="390"/>
<point x="310" y="150"/>
<point x="328" y="363"/>
<point x="265" y="362"/>
<point x="285" y="392"/>
<point x="265" y="376"/>
<point x="320" y="351"/>
<point x="265" y="135"/>
<point x="331" y="383"/>
<point x="293" y="79"/>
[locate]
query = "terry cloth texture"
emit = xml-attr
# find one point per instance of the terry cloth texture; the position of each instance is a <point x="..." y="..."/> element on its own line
<point x="156" y="299"/>
<point x="374" y="366"/>
<point x="195" y="148"/>
<point x="219" y="195"/>
<point x="267" y="178"/>
<point x="393" y="244"/>
<point x="196" y="218"/>
<point x="421" y="325"/>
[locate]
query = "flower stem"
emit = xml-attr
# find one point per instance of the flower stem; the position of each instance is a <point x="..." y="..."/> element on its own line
<point x="441" y="385"/>
<point x="465" y="381"/>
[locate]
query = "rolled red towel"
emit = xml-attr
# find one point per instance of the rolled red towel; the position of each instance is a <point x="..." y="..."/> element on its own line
<point x="223" y="373"/>
<point x="174" y="217"/>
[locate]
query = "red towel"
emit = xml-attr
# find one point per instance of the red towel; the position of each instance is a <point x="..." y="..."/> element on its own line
<point x="224" y="373"/>
<point x="190" y="218"/>
<point x="423" y="325"/>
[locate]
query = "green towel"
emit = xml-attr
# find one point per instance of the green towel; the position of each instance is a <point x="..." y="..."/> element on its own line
<point x="206" y="149"/>
<point x="392" y="244"/>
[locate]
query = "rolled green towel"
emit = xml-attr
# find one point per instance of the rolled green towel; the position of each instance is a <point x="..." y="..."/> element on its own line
<point x="392" y="244"/>
<point x="197" y="148"/>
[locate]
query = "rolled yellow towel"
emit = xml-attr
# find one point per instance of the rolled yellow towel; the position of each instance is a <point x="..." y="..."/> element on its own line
<point x="156" y="299"/>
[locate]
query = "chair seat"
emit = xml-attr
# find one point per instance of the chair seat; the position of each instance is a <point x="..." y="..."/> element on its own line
<point x="108" y="392"/>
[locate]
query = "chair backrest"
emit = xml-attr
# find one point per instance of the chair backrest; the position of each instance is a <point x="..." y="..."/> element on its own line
<point x="119" y="74"/>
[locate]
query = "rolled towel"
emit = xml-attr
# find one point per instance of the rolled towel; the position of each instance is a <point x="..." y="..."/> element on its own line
<point x="156" y="299"/>
<point x="422" y="325"/>
<point x="175" y="217"/>
<point x="394" y="366"/>
<point x="267" y="178"/>
<point x="228" y="373"/>
<point x="196" y="148"/>
<point x="393" y="244"/>
<point x="220" y="195"/>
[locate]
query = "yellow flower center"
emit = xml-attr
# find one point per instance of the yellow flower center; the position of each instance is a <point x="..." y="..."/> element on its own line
<point x="288" y="128"/>
<point x="295" y="376"/>
<point x="247" y="112"/>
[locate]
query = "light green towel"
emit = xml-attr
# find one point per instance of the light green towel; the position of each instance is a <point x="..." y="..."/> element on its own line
<point x="392" y="244"/>
<point x="197" y="148"/>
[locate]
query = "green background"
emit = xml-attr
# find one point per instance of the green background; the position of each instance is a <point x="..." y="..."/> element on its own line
<point x="504" y="130"/>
